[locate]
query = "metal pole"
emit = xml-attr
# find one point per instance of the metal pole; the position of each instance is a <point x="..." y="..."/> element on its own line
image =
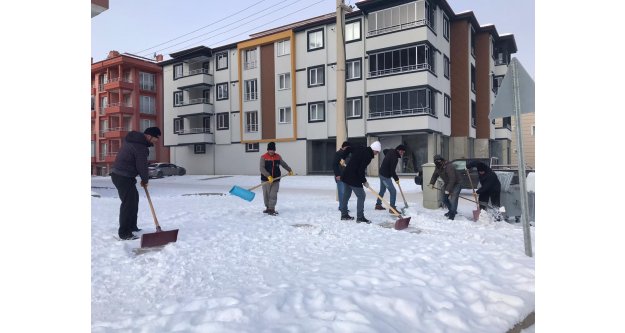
<point x="522" y="178"/>
<point x="341" y="126"/>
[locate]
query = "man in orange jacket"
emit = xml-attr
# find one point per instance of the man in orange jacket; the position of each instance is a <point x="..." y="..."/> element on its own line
<point x="270" y="164"/>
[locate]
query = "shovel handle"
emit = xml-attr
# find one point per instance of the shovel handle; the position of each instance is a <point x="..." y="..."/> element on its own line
<point x="386" y="202"/>
<point x="402" y="194"/>
<point x="265" y="182"/>
<point x="147" y="194"/>
<point x="473" y="189"/>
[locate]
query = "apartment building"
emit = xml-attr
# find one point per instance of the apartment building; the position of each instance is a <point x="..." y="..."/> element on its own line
<point x="416" y="74"/>
<point x="126" y="95"/>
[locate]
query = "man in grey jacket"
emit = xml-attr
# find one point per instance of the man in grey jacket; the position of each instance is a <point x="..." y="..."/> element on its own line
<point x="132" y="160"/>
<point x="451" y="177"/>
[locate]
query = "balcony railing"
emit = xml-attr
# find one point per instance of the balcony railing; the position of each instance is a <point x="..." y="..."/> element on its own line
<point x="249" y="64"/>
<point x="398" y="27"/>
<point x="402" y="69"/>
<point x="402" y="112"/>
<point x="119" y="79"/>
<point x="194" y="130"/>
<point x="251" y="96"/>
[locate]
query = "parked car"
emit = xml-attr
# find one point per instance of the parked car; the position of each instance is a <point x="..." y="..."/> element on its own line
<point x="159" y="170"/>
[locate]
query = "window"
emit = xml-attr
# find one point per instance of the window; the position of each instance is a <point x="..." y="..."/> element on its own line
<point x="223" y="121"/>
<point x="251" y="121"/>
<point x="507" y="122"/>
<point x="315" y="76"/>
<point x="284" y="47"/>
<point x="472" y="42"/>
<point x="447" y="111"/>
<point x="352" y="31"/>
<point x="446" y="66"/>
<point x="406" y="16"/>
<point x="250" y="59"/>
<point x="178" y="125"/>
<point x="222" y="60"/>
<point x="147" y="104"/>
<point x="316" y="112"/>
<point x="284" y="81"/>
<point x="354" y="107"/>
<point x="284" y="115"/>
<point x="315" y="40"/>
<point x="177" y="71"/>
<point x="145" y="123"/>
<point x="402" y="103"/>
<point x="497" y="83"/>
<point x="353" y="69"/>
<point x="430" y="11"/>
<point x="199" y="148"/>
<point x="410" y="59"/>
<point x="252" y="147"/>
<point x="473" y="113"/>
<point x="146" y="81"/>
<point x="251" y="90"/>
<point x="445" y="26"/>
<point x="206" y="96"/>
<point x="178" y="101"/>
<point x="206" y="124"/>
<point x="472" y="78"/>
<point x="222" y="91"/>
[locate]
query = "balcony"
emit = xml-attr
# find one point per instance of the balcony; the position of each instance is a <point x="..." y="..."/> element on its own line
<point x="195" y="135"/>
<point x="194" y="106"/>
<point x="114" y="108"/>
<point x="401" y="113"/>
<point x="398" y="27"/>
<point x="403" y="69"/>
<point x="115" y="132"/>
<point x="107" y="157"/>
<point x="197" y="77"/>
<point x="118" y="83"/>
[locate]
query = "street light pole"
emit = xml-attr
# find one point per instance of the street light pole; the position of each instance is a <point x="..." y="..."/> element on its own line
<point x="341" y="126"/>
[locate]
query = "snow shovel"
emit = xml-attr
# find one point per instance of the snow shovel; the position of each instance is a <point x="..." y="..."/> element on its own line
<point x="159" y="237"/>
<point x="403" y="210"/>
<point x="247" y="194"/>
<point x="476" y="213"/>
<point x="402" y="222"/>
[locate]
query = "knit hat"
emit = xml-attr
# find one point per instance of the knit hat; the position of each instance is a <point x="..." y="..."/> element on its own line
<point x="481" y="167"/>
<point x="401" y="147"/>
<point x="346" y="144"/>
<point x="376" y="146"/>
<point x="438" y="157"/>
<point x="153" y="131"/>
<point x="271" y="146"/>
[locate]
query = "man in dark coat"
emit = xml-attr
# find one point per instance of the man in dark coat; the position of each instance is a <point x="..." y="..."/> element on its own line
<point x="354" y="178"/>
<point x="386" y="172"/>
<point x="132" y="160"/>
<point x="338" y="165"/>
<point x="490" y="187"/>
<point x="451" y="177"/>
<point x="270" y="164"/>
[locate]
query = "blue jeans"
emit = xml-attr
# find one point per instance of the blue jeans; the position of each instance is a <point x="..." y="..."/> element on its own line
<point x="384" y="184"/>
<point x="340" y="187"/>
<point x="360" y="203"/>
<point x="454" y="195"/>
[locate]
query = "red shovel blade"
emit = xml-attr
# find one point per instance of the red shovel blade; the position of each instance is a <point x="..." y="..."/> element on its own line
<point x="476" y="215"/>
<point x="402" y="223"/>
<point x="159" y="238"/>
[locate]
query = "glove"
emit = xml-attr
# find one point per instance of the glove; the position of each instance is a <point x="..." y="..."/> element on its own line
<point x="446" y="192"/>
<point x="291" y="173"/>
<point x="397" y="182"/>
<point x="365" y="184"/>
<point x="342" y="163"/>
<point x="270" y="179"/>
<point x="144" y="184"/>
<point x="431" y="186"/>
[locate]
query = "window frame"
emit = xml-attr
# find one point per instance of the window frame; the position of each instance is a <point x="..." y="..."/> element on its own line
<point x="280" y="46"/>
<point x="473" y="114"/>
<point x="247" y="85"/>
<point x="359" y="21"/>
<point x="196" y="149"/>
<point x="447" y="106"/>
<point x="316" y="105"/>
<point x="247" y="55"/>
<point x="223" y="121"/>
<point x="289" y="113"/>
<point x="175" y="73"/>
<point x="316" y="69"/>
<point x="220" y="95"/>
<point x="446" y="67"/>
<point x="252" y="147"/>
<point x="287" y="81"/>
<point x="249" y="126"/>
<point x="178" y="125"/>
<point x="315" y="31"/>
<point x="347" y="108"/>
<point x="446" y="26"/>
<point x="178" y="98"/>
<point x="347" y="66"/>
<point x="218" y="57"/>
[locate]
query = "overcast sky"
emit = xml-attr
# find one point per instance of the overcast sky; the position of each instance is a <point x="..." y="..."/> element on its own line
<point x="145" y="27"/>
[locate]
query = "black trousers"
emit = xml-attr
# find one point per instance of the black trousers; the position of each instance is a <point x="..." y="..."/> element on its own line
<point x="130" y="204"/>
<point x="493" y="196"/>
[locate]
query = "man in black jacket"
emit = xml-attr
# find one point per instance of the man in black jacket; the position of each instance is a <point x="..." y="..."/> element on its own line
<point x="451" y="177"/>
<point x="338" y="165"/>
<point x="354" y="178"/>
<point x="387" y="170"/>
<point x="132" y="160"/>
<point x="490" y="187"/>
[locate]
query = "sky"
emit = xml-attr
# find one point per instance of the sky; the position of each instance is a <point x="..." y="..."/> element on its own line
<point x="145" y="27"/>
<point x="235" y="269"/>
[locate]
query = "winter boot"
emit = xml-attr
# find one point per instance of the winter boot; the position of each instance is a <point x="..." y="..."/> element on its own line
<point x="378" y="207"/>
<point x="363" y="219"/>
<point x="266" y="211"/>
<point x="272" y="212"/>
<point x="346" y="217"/>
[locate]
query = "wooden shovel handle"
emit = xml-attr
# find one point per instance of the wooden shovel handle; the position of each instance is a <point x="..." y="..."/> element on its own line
<point x="265" y="182"/>
<point x="471" y="182"/>
<point x="386" y="202"/>
<point x="147" y="194"/>
<point x="402" y="194"/>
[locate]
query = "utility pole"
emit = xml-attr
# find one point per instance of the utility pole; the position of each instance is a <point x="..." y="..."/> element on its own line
<point x="341" y="125"/>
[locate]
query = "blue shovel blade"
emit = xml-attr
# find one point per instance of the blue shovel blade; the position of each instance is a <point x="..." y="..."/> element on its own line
<point x="242" y="193"/>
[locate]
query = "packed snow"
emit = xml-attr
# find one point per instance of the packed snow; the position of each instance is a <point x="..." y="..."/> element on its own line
<point x="235" y="269"/>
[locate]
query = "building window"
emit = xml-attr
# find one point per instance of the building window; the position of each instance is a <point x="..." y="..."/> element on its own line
<point x="222" y="60"/>
<point x="472" y="42"/>
<point x="315" y="40"/>
<point x="250" y="59"/>
<point x="147" y="105"/>
<point x="402" y="103"/>
<point x="446" y="66"/>
<point x="199" y="148"/>
<point x="147" y="81"/>
<point x="353" y="108"/>
<point x="178" y="125"/>
<point x="316" y="76"/>
<point x="445" y="27"/>
<point x="206" y="125"/>
<point x="177" y="71"/>
<point x="497" y="83"/>
<point x="473" y="113"/>
<point x="252" y="147"/>
<point x="430" y="11"/>
<point x="222" y="91"/>
<point x="284" y="81"/>
<point x="404" y="60"/>
<point x="284" y="47"/>
<point x="178" y="100"/>
<point x="352" y="31"/>
<point x="472" y="78"/>
<point x="507" y="122"/>
<point x="223" y="121"/>
<point x="145" y="123"/>
<point x="447" y="111"/>
<point x="410" y="15"/>
<point x="251" y="90"/>
<point x="284" y="115"/>
<point x="353" y="69"/>
<point x="316" y="112"/>
<point x="251" y="121"/>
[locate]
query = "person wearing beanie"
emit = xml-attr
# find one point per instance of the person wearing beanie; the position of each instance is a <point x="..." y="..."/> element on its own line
<point x="451" y="177"/>
<point x="338" y="165"/>
<point x="354" y="178"/>
<point x="386" y="172"/>
<point x="132" y="160"/>
<point x="270" y="164"/>
<point x="490" y="186"/>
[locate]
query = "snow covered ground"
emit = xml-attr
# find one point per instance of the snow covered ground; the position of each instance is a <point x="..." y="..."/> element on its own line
<point x="235" y="269"/>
